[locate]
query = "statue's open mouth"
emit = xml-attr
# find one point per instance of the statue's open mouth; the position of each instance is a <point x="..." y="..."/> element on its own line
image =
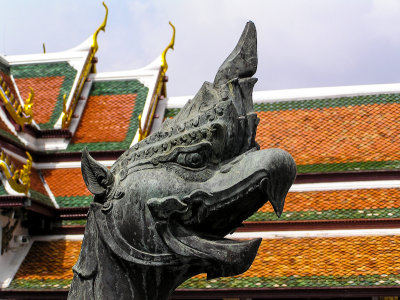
<point x="200" y="229"/>
<point x="222" y="256"/>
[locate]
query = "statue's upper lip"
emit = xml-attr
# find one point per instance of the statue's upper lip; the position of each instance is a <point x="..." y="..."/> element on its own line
<point x="228" y="198"/>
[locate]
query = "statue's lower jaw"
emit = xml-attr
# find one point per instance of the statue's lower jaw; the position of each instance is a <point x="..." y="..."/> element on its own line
<point x="224" y="257"/>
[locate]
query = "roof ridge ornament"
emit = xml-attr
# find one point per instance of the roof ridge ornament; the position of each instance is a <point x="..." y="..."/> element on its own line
<point x="95" y="45"/>
<point x="19" y="180"/>
<point x="159" y="91"/>
<point x="171" y="44"/>
<point x="20" y="114"/>
<point x="89" y="67"/>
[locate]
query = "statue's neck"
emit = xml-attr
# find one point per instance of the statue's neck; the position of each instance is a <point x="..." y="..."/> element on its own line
<point x="101" y="274"/>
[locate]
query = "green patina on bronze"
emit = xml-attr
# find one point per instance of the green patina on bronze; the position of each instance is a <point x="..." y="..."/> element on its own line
<point x="160" y="214"/>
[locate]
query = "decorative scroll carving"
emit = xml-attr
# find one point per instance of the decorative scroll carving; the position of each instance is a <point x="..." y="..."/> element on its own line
<point x="89" y="66"/>
<point x="19" y="179"/>
<point x="21" y="114"/>
<point x="145" y="130"/>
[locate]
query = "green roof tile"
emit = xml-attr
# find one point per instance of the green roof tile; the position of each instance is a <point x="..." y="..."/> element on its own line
<point x="74" y="201"/>
<point x="336" y="214"/>
<point x="291" y="282"/>
<point x="117" y="87"/>
<point x="328" y="102"/>
<point x="49" y="70"/>
<point x="4" y="68"/>
<point x="3" y="191"/>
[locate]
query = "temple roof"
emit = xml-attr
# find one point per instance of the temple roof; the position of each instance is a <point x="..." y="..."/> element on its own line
<point x="333" y="135"/>
<point x="349" y="131"/>
<point x="343" y="139"/>
<point x="68" y="187"/>
<point x="363" y="259"/>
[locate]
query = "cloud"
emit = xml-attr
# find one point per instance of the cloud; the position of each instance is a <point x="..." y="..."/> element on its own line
<point x="301" y="43"/>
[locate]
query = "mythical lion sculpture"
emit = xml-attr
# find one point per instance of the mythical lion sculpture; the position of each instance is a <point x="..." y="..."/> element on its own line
<point x="160" y="215"/>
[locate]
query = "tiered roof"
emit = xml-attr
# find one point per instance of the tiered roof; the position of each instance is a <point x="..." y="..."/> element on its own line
<point x="331" y="134"/>
<point x="344" y="261"/>
<point x="52" y="106"/>
<point x="349" y="182"/>
<point x="340" y="226"/>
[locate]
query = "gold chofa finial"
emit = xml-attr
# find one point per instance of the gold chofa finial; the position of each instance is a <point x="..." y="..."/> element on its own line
<point x="19" y="179"/>
<point x="102" y="27"/>
<point x="164" y="64"/>
<point x="141" y="135"/>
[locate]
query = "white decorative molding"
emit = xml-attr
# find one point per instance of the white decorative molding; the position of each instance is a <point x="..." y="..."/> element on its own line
<point x="265" y="234"/>
<point x="314" y="233"/>
<point x="306" y="93"/>
<point x="349" y="185"/>
<point x="58" y="237"/>
<point x="11" y="260"/>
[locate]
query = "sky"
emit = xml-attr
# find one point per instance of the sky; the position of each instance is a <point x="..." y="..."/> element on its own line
<point x="301" y="43"/>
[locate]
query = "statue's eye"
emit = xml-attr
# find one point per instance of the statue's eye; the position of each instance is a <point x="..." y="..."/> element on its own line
<point x="191" y="160"/>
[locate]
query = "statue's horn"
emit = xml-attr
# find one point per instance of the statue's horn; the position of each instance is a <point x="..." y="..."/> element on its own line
<point x="242" y="62"/>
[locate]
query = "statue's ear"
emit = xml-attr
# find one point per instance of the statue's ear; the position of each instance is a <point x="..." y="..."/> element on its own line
<point x="96" y="176"/>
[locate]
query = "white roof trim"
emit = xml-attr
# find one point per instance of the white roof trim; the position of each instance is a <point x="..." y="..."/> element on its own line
<point x="78" y="52"/>
<point x="54" y="165"/>
<point x="306" y="93"/>
<point x="3" y="60"/>
<point x="84" y="46"/>
<point x="48" y="190"/>
<point x="6" y="121"/>
<point x="8" y="187"/>
<point x="48" y="238"/>
<point x="123" y="75"/>
<point x="46" y="57"/>
<point x="11" y="261"/>
<point x="350" y="185"/>
<point x="266" y="234"/>
<point x="150" y="70"/>
<point x="67" y="164"/>
<point x="315" y="233"/>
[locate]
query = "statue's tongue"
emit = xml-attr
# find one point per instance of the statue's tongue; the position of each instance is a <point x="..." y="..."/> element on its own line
<point x="226" y="257"/>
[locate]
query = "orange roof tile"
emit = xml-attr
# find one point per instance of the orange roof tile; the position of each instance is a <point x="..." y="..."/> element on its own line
<point x="334" y="134"/>
<point x="66" y="182"/>
<point x="50" y="260"/>
<point x="9" y="83"/>
<point x="106" y="119"/>
<point x="340" y="256"/>
<point x="321" y="256"/>
<point x="284" y="259"/>
<point x="4" y="127"/>
<point x="36" y="182"/>
<point x="46" y="91"/>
